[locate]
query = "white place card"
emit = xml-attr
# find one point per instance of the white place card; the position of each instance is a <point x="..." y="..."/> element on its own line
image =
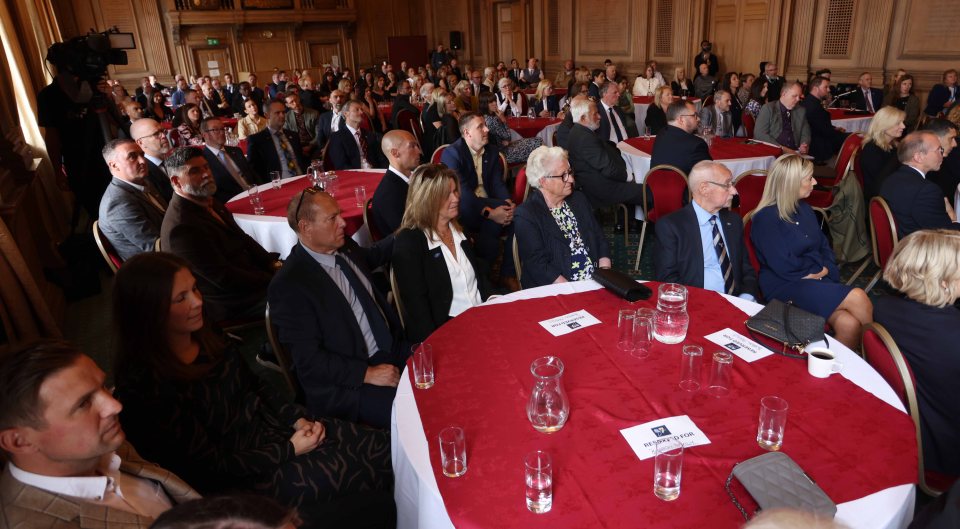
<point x="644" y="438"/>
<point x="740" y="345"/>
<point x="569" y="322"/>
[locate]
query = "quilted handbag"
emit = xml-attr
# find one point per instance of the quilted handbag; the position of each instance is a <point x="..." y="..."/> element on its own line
<point x="774" y="480"/>
<point x="784" y="323"/>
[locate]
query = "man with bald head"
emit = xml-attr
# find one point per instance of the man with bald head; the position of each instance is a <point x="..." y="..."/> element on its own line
<point x="389" y="200"/>
<point x="702" y="245"/>
<point x="152" y="139"/>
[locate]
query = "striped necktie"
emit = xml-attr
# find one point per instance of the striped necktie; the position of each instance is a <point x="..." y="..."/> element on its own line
<point x="722" y="257"/>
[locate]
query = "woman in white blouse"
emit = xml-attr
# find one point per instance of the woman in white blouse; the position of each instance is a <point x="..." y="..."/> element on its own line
<point x="437" y="272"/>
<point x="508" y="99"/>
<point x="646" y="84"/>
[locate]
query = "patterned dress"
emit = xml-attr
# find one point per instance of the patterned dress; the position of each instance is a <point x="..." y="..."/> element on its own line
<point x="581" y="266"/>
<point x="229" y="430"/>
<point x="517" y="151"/>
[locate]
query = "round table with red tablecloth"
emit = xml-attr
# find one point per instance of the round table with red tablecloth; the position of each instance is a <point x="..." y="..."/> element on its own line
<point x="737" y="154"/>
<point x="850" y="120"/>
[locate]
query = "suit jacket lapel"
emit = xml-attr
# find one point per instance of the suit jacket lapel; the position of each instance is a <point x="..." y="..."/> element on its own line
<point x="692" y="228"/>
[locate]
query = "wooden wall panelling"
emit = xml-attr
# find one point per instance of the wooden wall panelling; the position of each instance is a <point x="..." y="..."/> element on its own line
<point x="799" y="41"/>
<point x="920" y="44"/>
<point x="271" y="46"/>
<point x="725" y="33"/>
<point x="603" y="29"/>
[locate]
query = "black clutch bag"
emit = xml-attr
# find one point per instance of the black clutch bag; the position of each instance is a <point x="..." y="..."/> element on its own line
<point x="621" y="284"/>
<point x="784" y="323"/>
<point x="774" y="480"/>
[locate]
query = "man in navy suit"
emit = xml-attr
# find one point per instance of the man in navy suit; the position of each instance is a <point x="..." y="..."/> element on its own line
<point x="485" y="205"/>
<point x="351" y="147"/>
<point x="275" y="148"/>
<point x="330" y="122"/>
<point x="390" y="199"/>
<point x="345" y="339"/>
<point x="677" y="145"/>
<point x="232" y="172"/>
<point x="598" y="77"/>
<point x="866" y="98"/>
<point x="613" y="126"/>
<point x="702" y="244"/>
<point x="918" y="203"/>
<point x="151" y="137"/>
<point x="825" y="139"/>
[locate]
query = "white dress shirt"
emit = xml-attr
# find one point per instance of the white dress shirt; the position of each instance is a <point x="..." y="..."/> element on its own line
<point x="463" y="279"/>
<point x="615" y="123"/>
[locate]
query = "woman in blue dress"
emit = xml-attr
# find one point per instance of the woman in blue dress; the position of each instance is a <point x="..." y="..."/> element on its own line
<point x="796" y="261"/>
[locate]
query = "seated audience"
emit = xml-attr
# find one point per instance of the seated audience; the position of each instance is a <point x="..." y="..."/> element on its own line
<point x="464" y="100"/>
<point x="566" y="75"/>
<point x="796" y="262"/>
<point x="718" y="117"/>
<point x="702" y="244"/>
<point x="916" y="202"/>
<point x="903" y="98"/>
<point x="68" y="464"/>
<point x="152" y="138"/>
<point x="943" y="96"/>
<point x="190" y="402"/>
<point x="558" y="237"/>
<point x="252" y="122"/>
<point x="302" y="121"/>
<point x="825" y="139"/>
<point x="532" y="74"/>
<point x="276" y="148"/>
<point x="731" y="85"/>
<point x="878" y="154"/>
<point x="186" y="121"/>
<point x="948" y="175"/>
<point x="925" y="322"/>
<point x="706" y="57"/>
<point x="245" y="93"/>
<point x="330" y="122"/>
<point x="346" y="341"/>
<point x="131" y="210"/>
<point x="545" y="103"/>
<point x="775" y="83"/>
<point x="656" y="120"/>
<point x="681" y="86"/>
<point x="233" y="270"/>
<point x="867" y="98"/>
<point x="352" y="147"/>
<point x="402" y="151"/>
<point x="627" y="109"/>
<point x="596" y="80"/>
<point x="429" y="117"/>
<point x="613" y="122"/>
<point x="757" y="98"/>
<point x="232" y="173"/>
<point x="515" y="151"/>
<point x="437" y="272"/>
<point x="509" y="102"/>
<point x="704" y="84"/>
<point x="646" y="84"/>
<point x="783" y="123"/>
<point x="158" y="109"/>
<point x="747" y="80"/>
<point x="402" y="102"/>
<point x="447" y="124"/>
<point x="563" y="129"/>
<point x="678" y="145"/>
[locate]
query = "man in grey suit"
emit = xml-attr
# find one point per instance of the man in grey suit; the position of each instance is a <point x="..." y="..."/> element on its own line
<point x="784" y="123"/>
<point x="301" y="121"/>
<point x="131" y="210"/>
<point x="69" y="465"/>
<point x="716" y="118"/>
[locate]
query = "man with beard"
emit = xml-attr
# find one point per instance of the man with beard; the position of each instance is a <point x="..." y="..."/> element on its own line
<point x="151" y="137"/>
<point x="232" y="270"/>
<point x="330" y="122"/>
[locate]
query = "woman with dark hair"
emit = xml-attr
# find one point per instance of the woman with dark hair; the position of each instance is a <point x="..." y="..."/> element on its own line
<point x="758" y="97"/>
<point x="515" y="151"/>
<point x="731" y="83"/>
<point x="379" y="90"/>
<point x="192" y="405"/>
<point x="904" y="99"/>
<point x="437" y="271"/>
<point x="158" y="109"/>
<point x="187" y="122"/>
<point x="391" y="84"/>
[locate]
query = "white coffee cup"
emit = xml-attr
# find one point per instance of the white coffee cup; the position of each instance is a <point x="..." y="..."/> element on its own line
<point x="822" y="362"/>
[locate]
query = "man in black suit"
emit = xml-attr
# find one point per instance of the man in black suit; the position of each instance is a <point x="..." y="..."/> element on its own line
<point x="345" y="339"/>
<point x="677" y="145"/>
<point x="275" y="148"/>
<point x="390" y="199"/>
<point x="597" y="164"/>
<point x="402" y="102"/>
<point x="563" y="129"/>
<point x="330" y="122"/>
<point x="612" y="121"/>
<point x="232" y="270"/>
<point x="918" y="203"/>
<point x="151" y="137"/>
<point x="702" y="244"/>
<point x="229" y="87"/>
<point x="774" y="82"/>
<point x="948" y="176"/>
<point x="476" y="83"/>
<point x="867" y="98"/>
<point x="352" y="147"/>
<point x="598" y="77"/>
<point x="257" y="92"/>
<point x="825" y="139"/>
<point x="244" y="92"/>
<point x="131" y="210"/>
<point x="232" y="172"/>
<point x="707" y="57"/>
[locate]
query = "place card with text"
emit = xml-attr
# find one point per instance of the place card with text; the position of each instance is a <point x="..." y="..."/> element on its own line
<point x="739" y="345"/>
<point x="569" y="322"/>
<point x="644" y="438"/>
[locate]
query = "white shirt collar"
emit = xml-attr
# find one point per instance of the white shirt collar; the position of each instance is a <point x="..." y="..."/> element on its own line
<point x="156" y="161"/>
<point x="353" y="131"/>
<point x="924" y="175"/>
<point x="405" y="179"/>
<point x="87" y="487"/>
<point x="214" y="150"/>
<point x="434" y="242"/>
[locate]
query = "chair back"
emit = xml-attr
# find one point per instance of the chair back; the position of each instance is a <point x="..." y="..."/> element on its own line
<point x="375" y="234"/>
<point x="396" y="296"/>
<point x="520" y="187"/>
<point x="325" y="158"/>
<point x="846" y="156"/>
<point x="156" y="245"/>
<point x="242" y="145"/>
<point x="749" y="185"/>
<point x="749" y="123"/>
<point x="707" y="101"/>
<point x="437" y="154"/>
<point x="107" y="250"/>
<point x="505" y="166"/>
<point x="751" y="251"/>
<point x="668" y="185"/>
<point x="883" y="231"/>
<point x="365" y="123"/>
<point x="517" y="265"/>
<point x="408" y="121"/>
<point x="173" y="136"/>
<point x="283" y="358"/>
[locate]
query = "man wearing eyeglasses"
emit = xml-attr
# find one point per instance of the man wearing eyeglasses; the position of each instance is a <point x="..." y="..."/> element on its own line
<point x="152" y="138"/>
<point x="232" y="172"/>
<point x="677" y="144"/>
<point x="916" y="202"/>
<point x="702" y="245"/>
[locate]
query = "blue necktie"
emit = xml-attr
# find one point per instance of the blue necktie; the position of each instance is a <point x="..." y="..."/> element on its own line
<point x="722" y="257"/>
<point x="378" y="325"/>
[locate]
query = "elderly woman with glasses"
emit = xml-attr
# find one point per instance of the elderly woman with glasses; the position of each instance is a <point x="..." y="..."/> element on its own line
<point x="557" y="235"/>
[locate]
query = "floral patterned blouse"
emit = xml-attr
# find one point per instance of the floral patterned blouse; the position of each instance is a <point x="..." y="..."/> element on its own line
<point x="581" y="266"/>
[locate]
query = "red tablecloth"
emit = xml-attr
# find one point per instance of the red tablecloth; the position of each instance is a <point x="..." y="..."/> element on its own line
<point x="842" y="113"/>
<point x="530" y="127"/>
<point x="227" y="122"/>
<point x="720" y="149"/>
<point x="851" y="443"/>
<point x="275" y="200"/>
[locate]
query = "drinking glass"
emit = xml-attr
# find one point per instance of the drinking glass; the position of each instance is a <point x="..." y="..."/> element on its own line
<point x="643" y="333"/>
<point x="422" y="365"/>
<point x="253" y="193"/>
<point x="548" y="407"/>
<point x="453" y="452"/>
<point x="671" y="321"/>
<point x="720" y="374"/>
<point x="330" y="183"/>
<point x="690" y="361"/>
<point x="667" y="469"/>
<point x="360" y="192"/>
<point x="275" y="179"/>
<point x="773" y="422"/>
<point x="625" y="330"/>
<point x="538" y="477"/>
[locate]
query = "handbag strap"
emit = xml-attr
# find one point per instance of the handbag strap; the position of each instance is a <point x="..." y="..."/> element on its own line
<point x="733" y="497"/>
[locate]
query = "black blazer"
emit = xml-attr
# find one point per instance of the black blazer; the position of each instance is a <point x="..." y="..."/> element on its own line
<point x="161" y="182"/>
<point x="317" y="327"/>
<point x="457" y="157"/>
<point x="877" y="165"/>
<point x="344" y="153"/>
<point x="681" y="92"/>
<point x="563" y="130"/>
<point x="858" y="101"/>
<point x="948" y="176"/>
<point x="679" y="254"/>
<point x="389" y="203"/>
<point x="424" y="282"/>
<point x="262" y="153"/>
<point x="600" y="170"/>
<point x="544" y="251"/>
<point x="675" y="146"/>
<point x="604" y="131"/>
<point x="916" y="203"/>
<point x="325" y="128"/>
<point x="227" y="187"/>
<point x="825" y="139"/>
<point x="656" y="120"/>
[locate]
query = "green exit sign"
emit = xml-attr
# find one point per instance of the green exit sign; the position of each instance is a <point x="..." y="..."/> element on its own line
<point x="213" y="42"/>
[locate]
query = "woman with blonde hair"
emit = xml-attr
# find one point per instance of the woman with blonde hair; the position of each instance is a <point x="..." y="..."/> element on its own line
<point x="544" y="101"/>
<point x="925" y="322"/>
<point x="681" y="86"/>
<point x="438" y="273"/>
<point x="465" y="98"/>
<point x="878" y="154"/>
<point x="656" y="119"/>
<point x="448" y="128"/>
<point x="797" y="264"/>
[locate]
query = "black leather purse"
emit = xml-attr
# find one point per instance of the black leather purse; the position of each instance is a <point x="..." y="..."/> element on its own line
<point x="784" y="323"/>
<point x="621" y="284"/>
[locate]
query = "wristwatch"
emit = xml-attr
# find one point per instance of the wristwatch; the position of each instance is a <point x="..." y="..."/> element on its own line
<point x="486" y="213"/>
